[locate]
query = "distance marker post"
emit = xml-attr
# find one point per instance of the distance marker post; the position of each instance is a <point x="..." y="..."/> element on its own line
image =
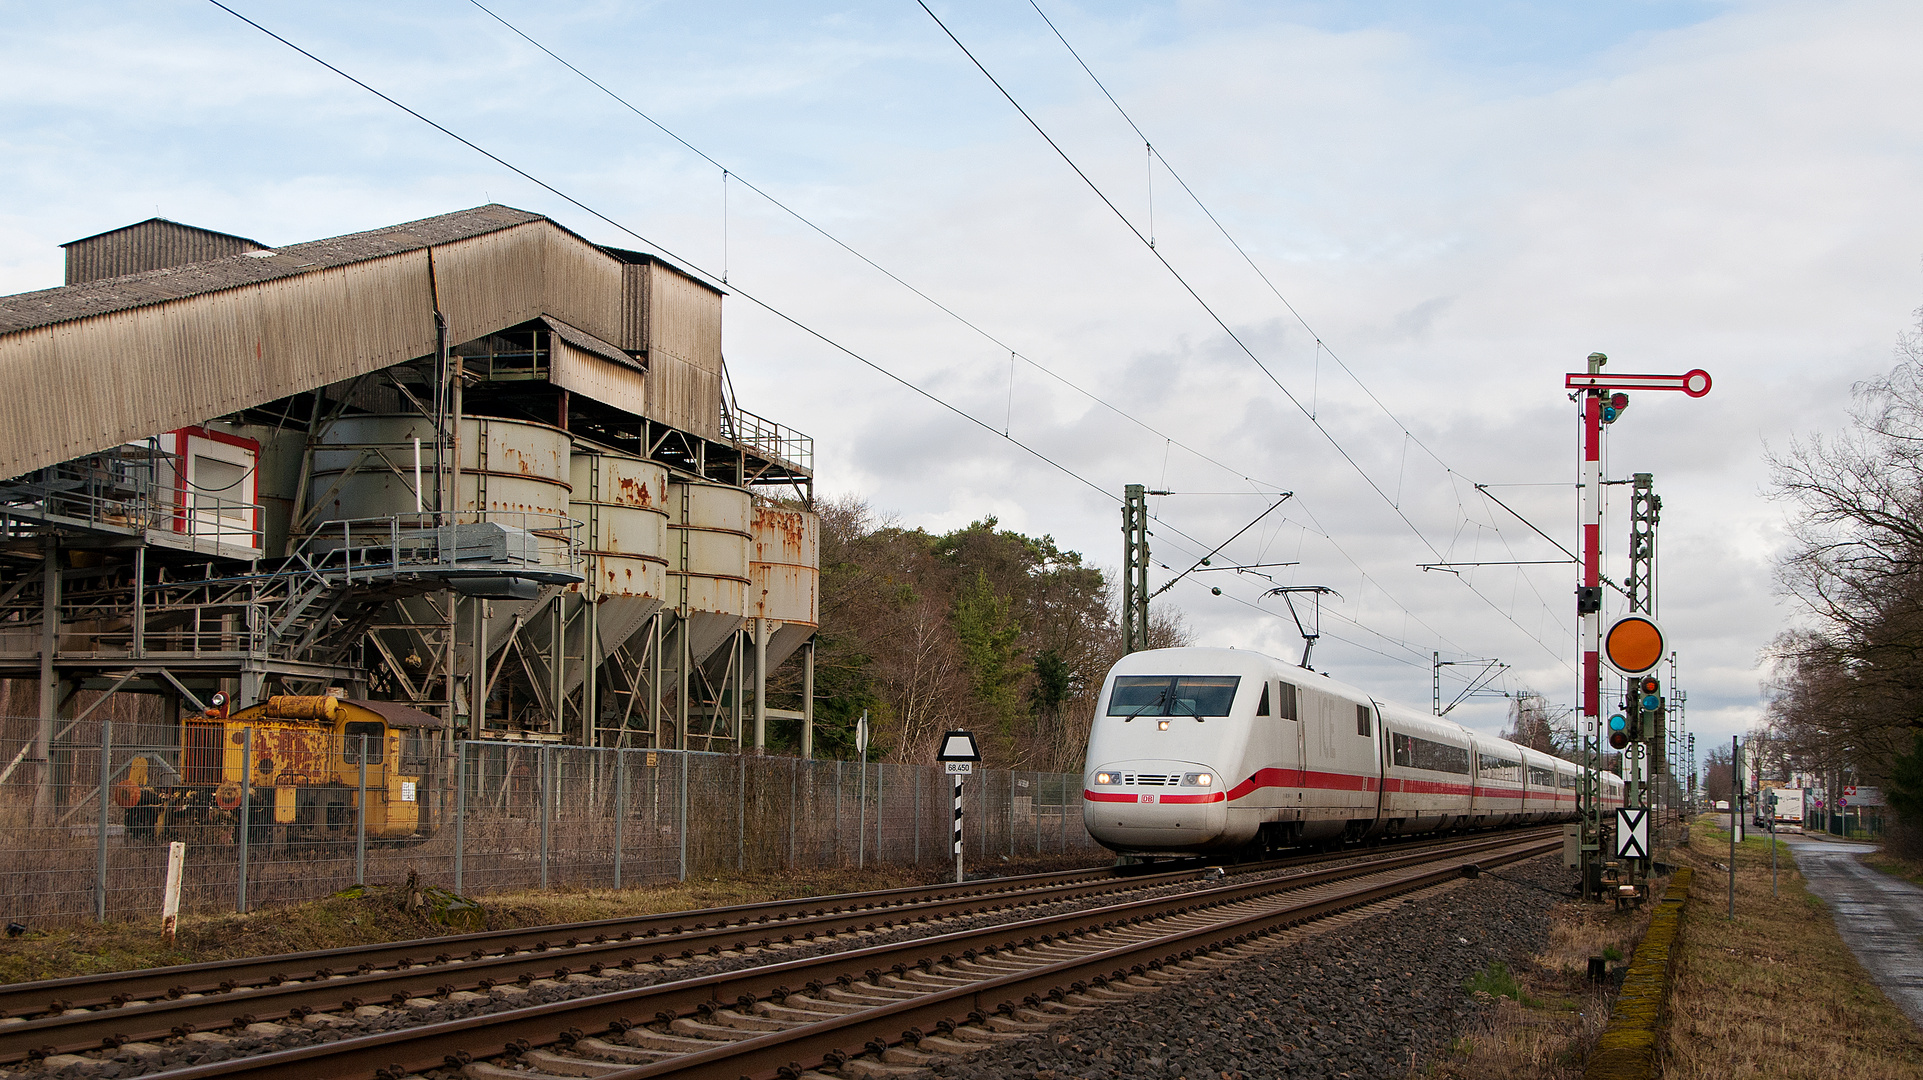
<point x="959" y="753"/>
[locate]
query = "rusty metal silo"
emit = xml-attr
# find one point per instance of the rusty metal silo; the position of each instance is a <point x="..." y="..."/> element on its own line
<point x="710" y="542"/>
<point x="512" y="471"/>
<point x="786" y="578"/>
<point x="622" y="502"/>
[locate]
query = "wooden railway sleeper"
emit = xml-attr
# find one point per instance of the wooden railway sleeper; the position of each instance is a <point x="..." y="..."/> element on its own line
<point x="1150" y="975"/>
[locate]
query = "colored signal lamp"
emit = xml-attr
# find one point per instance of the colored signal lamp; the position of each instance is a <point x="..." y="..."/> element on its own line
<point x="1617" y="723"/>
<point x="1634" y="644"/>
<point x="1618" y="740"/>
<point x="1613" y="406"/>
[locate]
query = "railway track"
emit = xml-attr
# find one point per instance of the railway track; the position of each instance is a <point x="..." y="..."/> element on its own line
<point x="869" y="1009"/>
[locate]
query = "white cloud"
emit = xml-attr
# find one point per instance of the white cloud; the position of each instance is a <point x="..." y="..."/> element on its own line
<point x="1461" y="216"/>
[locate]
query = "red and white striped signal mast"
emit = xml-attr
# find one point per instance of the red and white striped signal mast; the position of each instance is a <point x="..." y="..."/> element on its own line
<point x="1603" y="398"/>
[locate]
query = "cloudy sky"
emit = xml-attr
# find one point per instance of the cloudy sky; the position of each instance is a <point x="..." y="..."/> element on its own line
<point x="1451" y="204"/>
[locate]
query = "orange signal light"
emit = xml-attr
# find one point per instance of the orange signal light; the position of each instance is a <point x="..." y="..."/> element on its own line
<point x="1634" y="644"/>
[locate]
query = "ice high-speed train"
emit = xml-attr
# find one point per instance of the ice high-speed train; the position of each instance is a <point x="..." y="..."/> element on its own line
<point x="1206" y="750"/>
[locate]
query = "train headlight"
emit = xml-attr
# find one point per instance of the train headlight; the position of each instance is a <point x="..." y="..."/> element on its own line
<point x="1161" y="725"/>
<point x="1198" y="779"/>
<point x="1107" y="778"/>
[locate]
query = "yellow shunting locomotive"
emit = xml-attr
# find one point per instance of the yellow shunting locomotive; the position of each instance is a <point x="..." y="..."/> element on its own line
<point x="304" y="775"/>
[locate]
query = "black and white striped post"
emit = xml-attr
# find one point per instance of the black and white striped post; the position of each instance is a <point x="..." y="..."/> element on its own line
<point x="959" y="753"/>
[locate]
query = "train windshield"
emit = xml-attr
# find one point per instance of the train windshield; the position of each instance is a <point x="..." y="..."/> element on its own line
<point x="1173" y="695"/>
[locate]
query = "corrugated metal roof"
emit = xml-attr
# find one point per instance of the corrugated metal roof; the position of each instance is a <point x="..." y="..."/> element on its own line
<point x="165" y="221"/>
<point x="91" y="365"/>
<point x="587" y="342"/>
<point x="24" y="311"/>
<point x="399" y="715"/>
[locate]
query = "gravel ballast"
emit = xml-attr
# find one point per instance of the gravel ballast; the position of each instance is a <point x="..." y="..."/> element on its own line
<point x="1354" y="1001"/>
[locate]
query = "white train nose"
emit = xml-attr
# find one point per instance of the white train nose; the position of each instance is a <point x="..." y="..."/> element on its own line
<point x="1155" y="805"/>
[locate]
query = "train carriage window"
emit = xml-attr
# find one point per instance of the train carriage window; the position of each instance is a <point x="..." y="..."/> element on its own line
<point x="1362" y="725"/>
<point x="376" y="733"/>
<point x="1262" y="707"/>
<point x="1494" y="767"/>
<point x="1172" y="695"/>
<point x="1541" y="777"/>
<point x="1285" y="704"/>
<point x="1414" y="753"/>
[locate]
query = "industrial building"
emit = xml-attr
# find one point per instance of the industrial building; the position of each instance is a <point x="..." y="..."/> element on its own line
<point x="475" y="464"/>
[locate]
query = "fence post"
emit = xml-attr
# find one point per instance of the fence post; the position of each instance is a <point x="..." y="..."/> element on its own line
<point x="547" y="791"/>
<point x="794" y="805"/>
<point x="741" y="811"/>
<point x="861" y="814"/>
<point x="247" y="811"/>
<point x="460" y="809"/>
<point x="917" y="789"/>
<point x="1064" y="787"/>
<point x="1008" y="785"/>
<point x="1035" y="809"/>
<point x="620" y="810"/>
<point x="360" y="816"/>
<point x="100" y="855"/>
<point x="838" y="772"/>
<point x="881" y="848"/>
<point x="683" y="818"/>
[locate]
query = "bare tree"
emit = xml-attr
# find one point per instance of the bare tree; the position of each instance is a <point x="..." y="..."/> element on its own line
<point x="1717" y="774"/>
<point x="1535" y="724"/>
<point x="1848" y="688"/>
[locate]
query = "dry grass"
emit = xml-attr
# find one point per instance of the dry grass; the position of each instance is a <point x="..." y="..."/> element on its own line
<point x="1910" y="870"/>
<point x="1774" y="993"/>
<point x="1545" y="1030"/>
<point x="381" y="915"/>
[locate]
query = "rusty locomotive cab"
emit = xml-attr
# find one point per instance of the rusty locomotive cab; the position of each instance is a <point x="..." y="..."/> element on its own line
<point x="303" y="781"/>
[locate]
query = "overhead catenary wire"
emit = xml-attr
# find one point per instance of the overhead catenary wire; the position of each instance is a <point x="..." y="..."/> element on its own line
<point x="983" y="332"/>
<point x="1263" y="487"/>
<point x="1320" y="345"/>
<point x="765" y="305"/>
<point x="817" y="228"/>
<point x="1179" y="278"/>
<point x="1209" y="309"/>
<point x="683" y="260"/>
<point x="691" y="264"/>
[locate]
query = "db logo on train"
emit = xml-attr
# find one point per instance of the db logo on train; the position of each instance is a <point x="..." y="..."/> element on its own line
<point x="1148" y="798"/>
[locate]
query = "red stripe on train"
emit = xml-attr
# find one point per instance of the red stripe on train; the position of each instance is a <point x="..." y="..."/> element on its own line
<point x="1298" y="778"/>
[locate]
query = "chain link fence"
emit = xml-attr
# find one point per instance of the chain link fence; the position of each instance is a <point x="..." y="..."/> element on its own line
<point x="319" y="813"/>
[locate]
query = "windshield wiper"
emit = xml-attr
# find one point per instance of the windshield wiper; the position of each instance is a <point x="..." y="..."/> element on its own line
<point x="1160" y="701"/>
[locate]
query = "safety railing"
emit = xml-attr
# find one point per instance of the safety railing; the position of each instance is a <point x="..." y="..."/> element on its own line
<point x="130" y="489"/>
<point x="502" y="542"/>
<point x="776" y="442"/>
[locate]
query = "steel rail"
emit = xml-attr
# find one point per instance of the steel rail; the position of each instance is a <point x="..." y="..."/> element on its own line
<point x="851" y="1035"/>
<point x="143" y="1021"/>
<point x="72" y="1032"/>
<point x="453" y="1043"/>
<point x="118" y="989"/>
<point x="219" y="976"/>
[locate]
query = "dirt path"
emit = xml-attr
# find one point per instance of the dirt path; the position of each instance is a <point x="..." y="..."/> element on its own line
<point x="1879" y="917"/>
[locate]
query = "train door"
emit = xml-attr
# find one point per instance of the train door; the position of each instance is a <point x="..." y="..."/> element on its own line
<point x="378" y="765"/>
<point x="1379" y="736"/>
<point x="1275" y="760"/>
